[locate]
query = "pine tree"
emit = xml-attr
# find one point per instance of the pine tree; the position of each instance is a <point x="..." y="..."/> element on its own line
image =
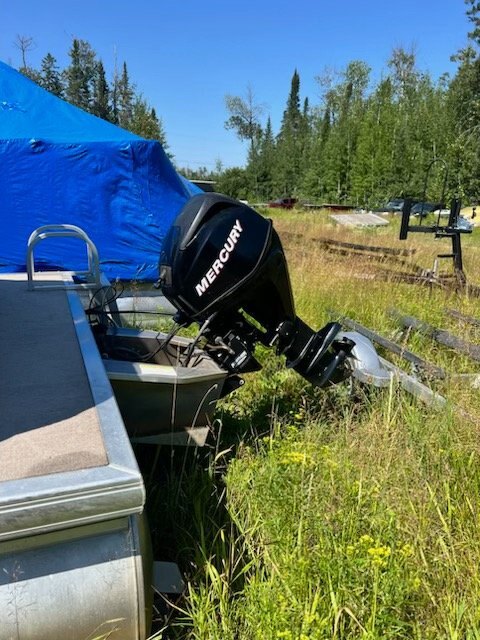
<point x="312" y="182"/>
<point x="80" y="75"/>
<point x="305" y="135"/>
<point x="114" y="109"/>
<point x="266" y="163"/>
<point x="290" y="142"/>
<point x="473" y="14"/>
<point x="32" y="74"/>
<point x="101" y="96"/>
<point x="125" y="98"/>
<point x="50" y="77"/>
<point x="145" y="123"/>
<point x="292" y="115"/>
<point x="161" y="135"/>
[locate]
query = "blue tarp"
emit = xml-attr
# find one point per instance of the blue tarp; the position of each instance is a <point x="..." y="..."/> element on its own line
<point x="61" y="165"/>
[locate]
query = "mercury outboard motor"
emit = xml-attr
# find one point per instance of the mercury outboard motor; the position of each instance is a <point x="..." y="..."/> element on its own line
<point x="223" y="266"/>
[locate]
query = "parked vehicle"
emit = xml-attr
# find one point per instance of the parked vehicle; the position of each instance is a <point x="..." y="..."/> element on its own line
<point x="283" y="203"/>
<point x="392" y="206"/>
<point x="421" y="209"/>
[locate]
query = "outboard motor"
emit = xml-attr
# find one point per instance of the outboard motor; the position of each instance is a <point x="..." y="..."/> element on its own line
<point x="223" y="266"/>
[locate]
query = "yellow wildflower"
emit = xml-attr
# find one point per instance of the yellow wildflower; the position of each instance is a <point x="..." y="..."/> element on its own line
<point x="407" y="550"/>
<point x="331" y="464"/>
<point x="380" y="551"/>
<point x="296" y="457"/>
<point x="416" y="583"/>
<point x="378" y="555"/>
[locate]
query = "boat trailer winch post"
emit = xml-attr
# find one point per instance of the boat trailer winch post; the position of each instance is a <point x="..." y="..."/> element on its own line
<point x="453" y="229"/>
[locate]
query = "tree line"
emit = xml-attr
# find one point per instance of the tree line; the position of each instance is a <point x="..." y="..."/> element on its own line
<point x="83" y="83"/>
<point x="366" y="142"/>
<point x="363" y="143"/>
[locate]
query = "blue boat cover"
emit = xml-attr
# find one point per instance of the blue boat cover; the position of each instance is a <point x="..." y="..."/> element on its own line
<point x="61" y="165"/>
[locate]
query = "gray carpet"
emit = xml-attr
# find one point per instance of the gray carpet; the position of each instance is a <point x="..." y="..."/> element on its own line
<point x="49" y="423"/>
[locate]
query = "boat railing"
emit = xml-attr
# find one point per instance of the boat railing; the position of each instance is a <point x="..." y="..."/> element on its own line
<point x="91" y="277"/>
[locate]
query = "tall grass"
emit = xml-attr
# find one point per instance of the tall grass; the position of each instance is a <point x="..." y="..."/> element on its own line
<point x="339" y="513"/>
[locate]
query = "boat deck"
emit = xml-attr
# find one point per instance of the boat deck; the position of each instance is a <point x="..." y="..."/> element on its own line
<point x="62" y="439"/>
<point x="49" y="421"/>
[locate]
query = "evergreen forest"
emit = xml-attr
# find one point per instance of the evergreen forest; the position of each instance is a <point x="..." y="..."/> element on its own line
<point x="366" y="141"/>
<point x="84" y="84"/>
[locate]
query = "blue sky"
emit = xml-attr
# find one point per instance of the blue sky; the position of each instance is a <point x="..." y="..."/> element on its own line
<point x="185" y="56"/>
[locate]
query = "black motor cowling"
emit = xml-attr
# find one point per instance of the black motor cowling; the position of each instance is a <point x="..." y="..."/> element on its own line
<point x="222" y="265"/>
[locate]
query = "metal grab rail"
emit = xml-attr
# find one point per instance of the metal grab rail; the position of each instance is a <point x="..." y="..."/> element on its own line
<point x="92" y="274"/>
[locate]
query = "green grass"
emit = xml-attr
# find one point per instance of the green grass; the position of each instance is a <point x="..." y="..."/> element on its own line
<point x="338" y="513"/>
